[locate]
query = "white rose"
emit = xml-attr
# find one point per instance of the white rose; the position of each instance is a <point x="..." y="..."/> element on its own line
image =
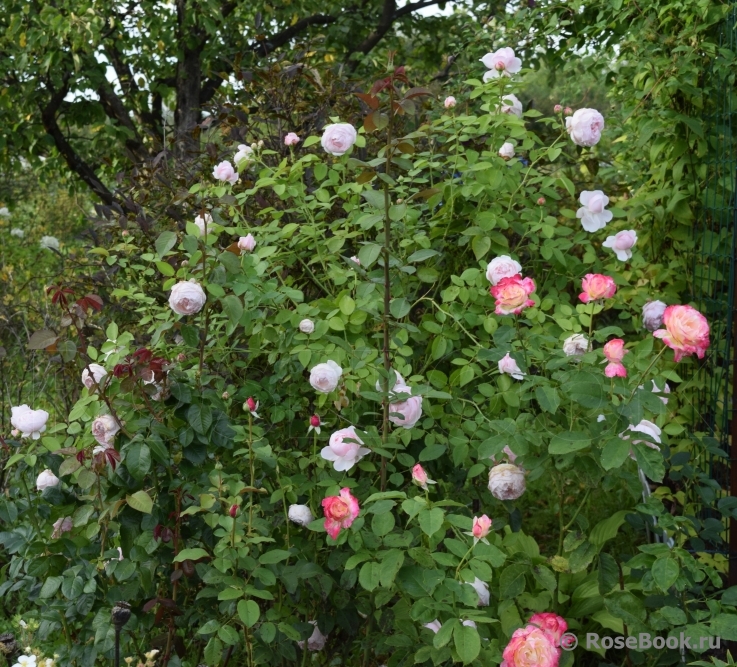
<point x="243" y="157"/>
<point x="434" y="626"/>
<point x="585" y="127"/>
<point x="652" y="315"/>
<point x="506" y="151"/>
<point x="104" y="429"/>
<point x="187" y="297"/>
<point x="592" y="212"/>
<point x="49" y="243"/>
<point x="325" y="377"/>
<point x="307" y="326"/>
<point x="98" y="372"/>
<point x="338" y="138"/>
<point x="300" y="514"/>
<point x="46" y="480"/>
<point x="502" y="267"/>
<point x="575" y="345"/>
<point x="513" y="106"/>
<point x="317" y="640"/>
<point x="482" y="589"/>
<point x="469" y="623"/>
<point x="30" y="423"/>
<point x="17" y="232"/>
<point x="506" y="481"/>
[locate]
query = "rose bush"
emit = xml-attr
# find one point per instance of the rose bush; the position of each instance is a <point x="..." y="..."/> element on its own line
<point x="251" y="472"/>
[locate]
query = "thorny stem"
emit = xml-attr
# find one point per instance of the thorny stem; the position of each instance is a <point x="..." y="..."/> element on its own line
<point x="252" y="469"/>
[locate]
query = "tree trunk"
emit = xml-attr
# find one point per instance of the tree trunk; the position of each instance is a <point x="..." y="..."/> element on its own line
<point x="187" y="115"/>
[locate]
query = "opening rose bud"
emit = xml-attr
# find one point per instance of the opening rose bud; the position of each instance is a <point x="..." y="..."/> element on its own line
<point x="251" y="403"/>
<point x="315" y="421"/>
<point x="419" y="477"/>
<point x="234" y="510"/>
<point x="481" y="526"/>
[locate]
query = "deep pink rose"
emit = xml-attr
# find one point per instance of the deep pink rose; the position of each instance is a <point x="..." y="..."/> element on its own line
<point x="686" y="331"/>
<point x="597" y="286"/>
<point x="552" y="624"/>
<point x="512" y="295"/>
<point x="340" y="512"/>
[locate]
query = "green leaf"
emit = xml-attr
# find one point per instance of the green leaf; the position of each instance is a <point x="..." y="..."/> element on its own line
<point x="199" y="417"/>
<point x="397" y="212"/>
<point x="480" y="245"/>
<point x="138" y="460"/>
<point x="311" y="141"/>
<point x="191" y="554"/>
<point x="431" y="521"/>
<point x="50" y="586"/>
<point x="399" y="308"/>
<point x="390" y="565"/>
<point x="229" y="635"/>
<point x="651" y="462"/>
<point x="368" y="254"/>
<point x="665" y="572"/>
<point x="347" y="305"/>
<point x="67" y="349"/>
<point x="512" y="581"/>
<point x="273" y="556"/>
<point x="213" y="650"/>
<point x="141" y="502"/>
<point x="375" y="198"/>
<point x="40" y="340"/>
<point x="725" y="626"/>
<point x="165" y="242"/>
<point x="370" y="575"/>
<point x="548" y="398"/>
<point x="615" y="453"/>
<point x="165" y="269"/>
<point x="467" y="643"/>
<point x="607" y="529"/>
<point x="570" y="441"/>
<point x="191" y="335"/>
<point x="232" y="308"/>
<point x="443" y="636"/>
<point x="422" y="255"/>
<point x="608" y="573"/>
<point x="248" y="612"/>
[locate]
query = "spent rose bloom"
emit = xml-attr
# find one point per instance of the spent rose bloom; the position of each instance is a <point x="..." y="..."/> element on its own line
<point x="291" y="139"/>
<point x="553" y="625"/>
<point x="501" y="62"/>
<point x="306" y="326"/>
<point x="509" y="366"/>
<point x="530" y="647"/>
<point x="434" y="626"/>
<point x="187" y="297"/>
<point x="597" y="286"/>
<point x="338" y="138"/>
<point x="481" y="528"/>
<point x="300" y="514"/>
<point x="450" y="102"/>
<point x="104" y="429"/>
<point x="344" y="449"/>
<point x="622" y="243"/>
<point x="316" y="641"/>
<point x="325" y="377"/>
<point x="506" y="481"/>
<point x="419" y="477"/>
<point x="203" y="223"/>
<point x="512" y="295"/>
<point x="652" y="315"/>
<point x="592" y="213"/>
<point x="649" y="429"/>
<point x="243" y="156"/>
<point x="686" y="332"/>
<point x="46" y="480"/>
<point x="61" y="525"/>
<point x="247" y="243"/>
<point x="482" y="590"/>
<point x="585" y="127"/>
<point x="30" y="423"/>
<point x="340" y="512"/>
<point x="614" y="352"/>
<point x="405" y="413"/>
<point x="98" y="372"/>
<point x="575" y="345"/>
<point x="506" y="151"/>
<point x="225" y="172"/>
<point x="511" y="105"/>
<point x="502" y="267"/>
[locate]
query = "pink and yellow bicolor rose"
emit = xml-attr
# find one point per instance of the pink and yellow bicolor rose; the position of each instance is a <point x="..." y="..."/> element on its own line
<point x="530" y="647"/>
<point x="596" y="287"/>
<point x="552" y="624"/>
<point x="686" y="331"/>
<point x="512" y="295"/>
<point x="340" y="512"/>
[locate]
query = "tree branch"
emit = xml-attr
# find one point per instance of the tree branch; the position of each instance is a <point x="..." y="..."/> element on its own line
<point x="413" y="7"/>
<point x="115" y="109"/>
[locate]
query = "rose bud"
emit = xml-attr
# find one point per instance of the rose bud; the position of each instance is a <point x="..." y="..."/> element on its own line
<point x="233" y="511"/>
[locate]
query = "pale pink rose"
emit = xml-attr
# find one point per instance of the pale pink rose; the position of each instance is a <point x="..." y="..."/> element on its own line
<point x="585" y="127"/>
<point x="482" y="590"/>
<point x="246" y="243"/>
<point x="501" y="62"/>
<point x="506" y="481"/>
<point x="306" y="326"/>
<point x="622" y="243"/>
<point x="46" y="480"/>
<point x="225" y="172"/>
<point x="30" y="423"/>
<point x="592" y="212"/>
<point x="481" y="527"/>
<point x="513" y="106"/>
<point x="300" y="514"/>
<point x="469" y="623"/>
<point x="614" y="352"/>
<point x="291" y="139"/>
<point x="506" y="151"/>
<point x="344" y="449"/>
<point x="355" y="260"/>
<point x="553" y="625"/>
<point x="62" y="525"/>
<point x="434" y="626"/>
<point x="187" y="297"/>
<point x="405" y="413"/>
<point x="648" y="428"/>
<point x="686" y="332"/>
<point x="652" y="315"/>
<point x="575" y="345"/>
<point x="530" y="647"/>
<point x="512" y="295"/>
<point x="243" y="156"/>
<point x="325" y="377"/>
<point x="340" y="512"/>
<point x="338" y="138"/>
<point x="502" y="267"/>
<point x="509" y="366"/>
<point x="419" y="477"/>
<point x="450" y="102"/>
<point x="203" y="223"/>
<point x="396" y="382"/>
<point x="15" y="433"/>
<point x="316" y="641"/>
<point x="98" y="372"/>
<point x="104" y="429"/>
<point x="596" y="287"/>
